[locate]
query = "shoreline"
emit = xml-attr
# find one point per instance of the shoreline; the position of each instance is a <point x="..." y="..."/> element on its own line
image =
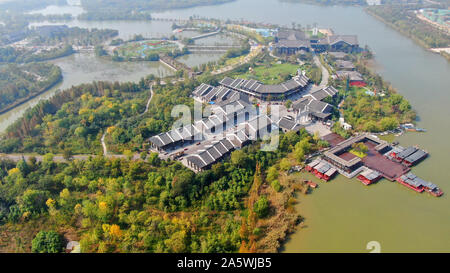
<point x="404" y="33"/>
<point x="31" y="96"/>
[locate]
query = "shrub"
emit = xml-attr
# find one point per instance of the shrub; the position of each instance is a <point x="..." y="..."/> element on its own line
<point x="47" y="242"/>
<point x="261" y="207"/>
<point x="276" y="185"/>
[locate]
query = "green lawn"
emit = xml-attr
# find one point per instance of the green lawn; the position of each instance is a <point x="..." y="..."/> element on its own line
<point x="274" y="74"/>
<point x="358" y="153"/>
<point x="144" y="48"/>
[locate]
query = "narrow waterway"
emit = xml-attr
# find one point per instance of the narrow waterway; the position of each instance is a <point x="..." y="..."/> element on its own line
<point x="344" y="215"/>
<point x="85" y="67"/>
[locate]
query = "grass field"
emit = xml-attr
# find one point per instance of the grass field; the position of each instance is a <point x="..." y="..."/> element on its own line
<point x="358" y="153"/>
<point x="274" y="74"/>
<point x="143" y="49"/>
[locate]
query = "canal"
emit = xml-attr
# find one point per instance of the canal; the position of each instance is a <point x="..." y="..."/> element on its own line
<point x="344" y="215"/>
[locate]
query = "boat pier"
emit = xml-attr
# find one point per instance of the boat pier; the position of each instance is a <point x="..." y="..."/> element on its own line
<point x="381" y="160"/>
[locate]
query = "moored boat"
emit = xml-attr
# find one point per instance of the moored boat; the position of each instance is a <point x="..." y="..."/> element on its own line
<point x="409" y="180"/>
<point x="369" y="176"/>
<point x="310" y="183"/>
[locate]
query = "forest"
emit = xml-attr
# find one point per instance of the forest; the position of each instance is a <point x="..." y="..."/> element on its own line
<point x="75" y="118"/>
<point x="19" y="82"/>
<point x="149" y="205"/>
<point x="51" y="35"/>
<point x="13" y="55"/>
<point x="135" y="10"/>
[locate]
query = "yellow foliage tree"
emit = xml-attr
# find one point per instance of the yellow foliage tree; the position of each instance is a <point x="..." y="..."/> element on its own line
<point x="65" y="194"/>
<point x="13" y="171"/>
<point x="243" y="248"/>
<point x="77" y="209"/>
<point x="106" y="228"/>
<point x="103" y="205"/>
<point x="115" y="231"/>
<point x="50" y="203"/>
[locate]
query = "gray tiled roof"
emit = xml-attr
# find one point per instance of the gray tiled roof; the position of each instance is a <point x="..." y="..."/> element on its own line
<point x="344" y="64"/>
<point x="291" y="35"/>
<point x="416" y="156"/>
<point x="312" y="105"/>
<point x="253" y="86"/>
<point x="314" y="163"/>
<point x="338" y="55"/>
<point x="293" y="44"/>
<point x="259" y="123"/>
<point x="352" y="75"/>
<point x="370" y="174"/>
<point x="332" y="153"/>
<point x="288" y="124"/>
<point x="415" y="181"/>
<point x="333" y="39"/>
<point x="202" y="90"/>
<point x="407" y="152"/>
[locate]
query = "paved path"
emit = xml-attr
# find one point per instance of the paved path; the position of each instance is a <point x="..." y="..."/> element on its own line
<point x="325" y="75"/>
<point x="57" y="157"/>
<point x="254" y="51"/>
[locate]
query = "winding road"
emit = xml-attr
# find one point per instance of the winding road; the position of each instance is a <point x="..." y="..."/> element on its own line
<point x="325" y="75"/>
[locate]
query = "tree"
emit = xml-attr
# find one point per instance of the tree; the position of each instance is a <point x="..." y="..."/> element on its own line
<point x="128" y="154"/>
<point x="388" y="123"/>
<point x="285" y="164"/>
<point x="23" y="167"/>
<point x="47" y="242"/>
<point x="360" y="148"/>
<point x="238" y="158"/>
<point x="143" y="155"/>
<point x="272" y="173"/>
<point x="288" y="104"/>
<point x="153" y="159"/>
<point x="67" y="154"/>
<point x="261" y="207"/>
<point x="181" y="182"/>
<point x="276" y="185"/>
<point x="33" y="201"/>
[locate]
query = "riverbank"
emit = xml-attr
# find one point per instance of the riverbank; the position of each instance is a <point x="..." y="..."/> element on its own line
<point x="35" y="94"/>
<point x="406" y="33"/>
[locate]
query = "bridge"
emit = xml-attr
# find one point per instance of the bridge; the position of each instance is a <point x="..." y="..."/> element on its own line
<point x="206" y="34"/>
<point x="175" y="65"/>
<point x="211" y="48"/>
